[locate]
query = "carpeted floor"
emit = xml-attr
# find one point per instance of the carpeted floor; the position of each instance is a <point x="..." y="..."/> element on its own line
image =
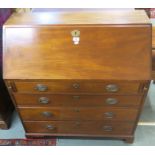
<point x="27" y="142"/>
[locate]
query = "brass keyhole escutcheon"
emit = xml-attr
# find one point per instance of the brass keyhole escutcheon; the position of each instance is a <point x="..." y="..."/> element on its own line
<point x="76" y="97"/>
<point x="75" y="36"/>
<point x="76" y="85"/>
<point x="77" y="124"/>
<point x="75" y="33"/>
<point x="77" y="110"/>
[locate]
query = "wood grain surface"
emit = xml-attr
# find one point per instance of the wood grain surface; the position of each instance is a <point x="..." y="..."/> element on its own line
<point x="73" y="100"/>
<point x="78" y="113"/>
<point x="111" y="60"/>
<point x="81" y="127"/>
<point x="83" y="86"/>
<point x="105" y="52"/>
<point x="79" y="17"/>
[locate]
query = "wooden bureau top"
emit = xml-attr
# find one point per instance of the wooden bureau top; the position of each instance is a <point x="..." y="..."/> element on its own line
<point x="112" y="46"/>
<point x="82" y="17"/>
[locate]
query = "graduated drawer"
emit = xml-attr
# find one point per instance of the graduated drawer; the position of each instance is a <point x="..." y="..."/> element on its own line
<point x="76" y="100"/>
<point x="78" y="113"/>
<point x="68" y="86"/>
<point x="79" y="127"/>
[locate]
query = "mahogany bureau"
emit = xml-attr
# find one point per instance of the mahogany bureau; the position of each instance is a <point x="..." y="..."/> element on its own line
<point x="78" y="73"/>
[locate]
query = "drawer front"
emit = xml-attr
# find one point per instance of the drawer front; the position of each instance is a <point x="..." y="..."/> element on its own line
<point x="77" y="87"/>
<point x="76" y="100"/>
<point x="78" y="127"/>
<point x="44" y="114"/>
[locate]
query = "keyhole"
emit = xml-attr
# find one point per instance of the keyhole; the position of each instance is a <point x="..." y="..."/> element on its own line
<point x="75" y="33"/>
<point x="76" y="36"/>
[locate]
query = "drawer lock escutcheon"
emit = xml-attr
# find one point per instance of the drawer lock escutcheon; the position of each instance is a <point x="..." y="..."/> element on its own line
<point x="77" y="110"/>
<point x="76" y="85"/>
<point x="75" y="36"/>
<point x="77" y="124"/>
<point x="76" y="97"/>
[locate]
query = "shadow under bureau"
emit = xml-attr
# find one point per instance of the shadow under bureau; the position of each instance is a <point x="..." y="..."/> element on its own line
<point x="78" y="73"/>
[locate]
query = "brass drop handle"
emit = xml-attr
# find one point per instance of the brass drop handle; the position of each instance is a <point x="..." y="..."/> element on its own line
<point x="76" y="85"/>
<point x="111" y="101"/>
<point x="50" y="127"/>
<point x="41" y="87"/>
<point x="47" y="114"/>
<point x="112" y="88"/>
<point x="107" y="128"/>
<point x="43" y="100"/>
<point x="109" y="114"/>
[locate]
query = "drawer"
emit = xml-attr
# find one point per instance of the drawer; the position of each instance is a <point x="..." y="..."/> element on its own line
<point x="77" y="87"/>
<point x="78" y="113"/>
<point x="79" y="127"/>
<point x="76" y="100"/>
